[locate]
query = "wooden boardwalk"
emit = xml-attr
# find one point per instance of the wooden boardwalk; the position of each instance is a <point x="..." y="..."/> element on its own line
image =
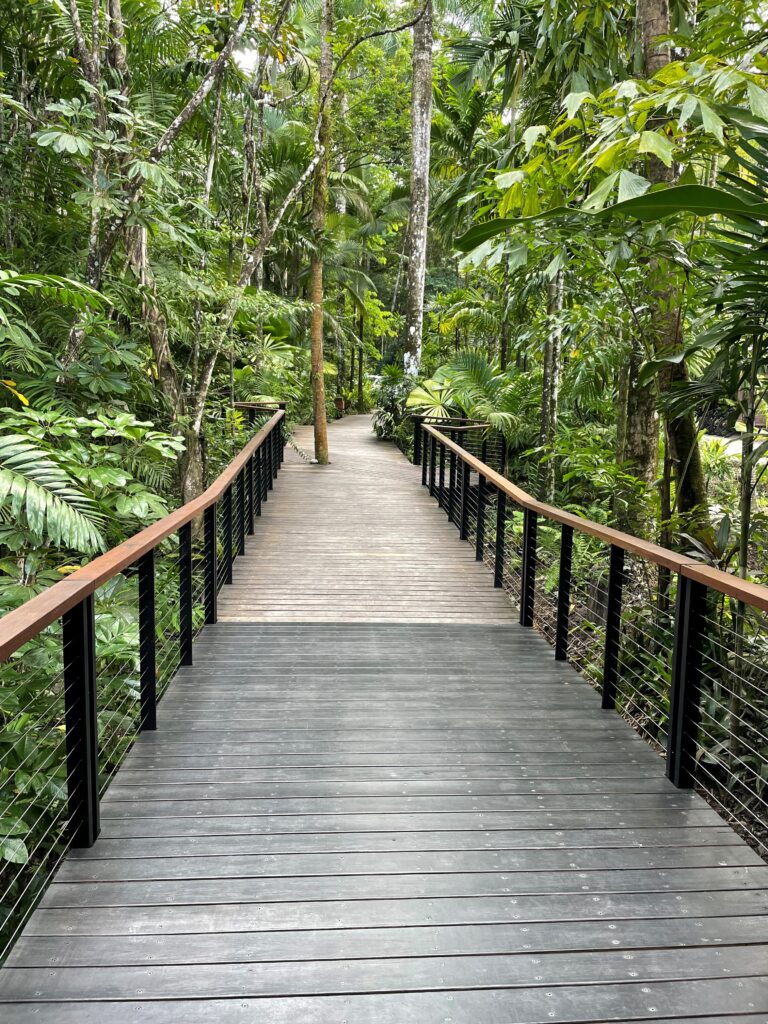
<point x="374" y="799"/>
<point x="357" y="541"/>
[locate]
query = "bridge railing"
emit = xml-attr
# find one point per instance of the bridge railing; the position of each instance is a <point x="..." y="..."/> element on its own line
<point x="678" y="648"/>
<point x="84" y="663"/>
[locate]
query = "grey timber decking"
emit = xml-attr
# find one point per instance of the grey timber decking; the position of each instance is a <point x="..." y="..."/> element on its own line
<point x="389" y="810"/>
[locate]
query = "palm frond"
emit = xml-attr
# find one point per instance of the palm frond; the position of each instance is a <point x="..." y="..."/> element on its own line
<point x="33" y="485"/>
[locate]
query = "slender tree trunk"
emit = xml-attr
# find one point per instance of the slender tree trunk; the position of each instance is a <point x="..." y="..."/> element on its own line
<point x="360" y="364"/>
<point x="416" y="239"/>
<point x="396" y="289"/>
<point x="681" y="431"/>
<point x="319" y="200"/>
<point x="641" y="442"/>
<point x="504" y="334"/>
<point x="622" y="397"/>
<point x="551" y="387"/>
<point x="340" y="360"/>
<point x="351" y="381"/>
<point x="341" y="209"/>
<point x="747" y="465"/>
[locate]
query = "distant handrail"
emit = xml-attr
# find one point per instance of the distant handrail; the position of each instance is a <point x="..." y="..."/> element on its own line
<point x="753" y="594"/>
<point x="19" y="626"/>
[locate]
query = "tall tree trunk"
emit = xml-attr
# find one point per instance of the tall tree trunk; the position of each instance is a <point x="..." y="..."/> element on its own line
<point x="103" y="242"/>
<point x="504" y="333"/>
<point x="191" y="462"/>
<point x="551" y="386"/>
<point x="641" y="442"/>
<point x="681" y="431"/>
<point x="340" y="359"/>
<point x="319" y="200"/>
<point x="341" y="209"/>
<point x="416" y="239"/>
<point x="360" y="363"/>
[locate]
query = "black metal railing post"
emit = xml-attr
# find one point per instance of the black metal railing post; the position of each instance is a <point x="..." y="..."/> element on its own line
<point x="81" y="723"/>
<point x="613" y="627"/>
<point x="249" y="471"/>
<point x="185" y="595"/>
<point x="441" y="487"/>
<point x="464" y="532"/>
<point x="528" y="574"/>
<point x="275" y="440"/>
<point x="241" y="512"/>
<point x="501" y="522"/>
<point x="684" y="699"/>
<point x="210" y="564"/>
<point x="271" y="467"/>
<point x="147" y="642"/>
<point x="480" y="532"/>
<point x="258" y="488"/>
<point x="432" y="464"/>
<point x="228" y="552"/>
<point x="424" y="455"/>
<point x="416" y="440"/>
<point x="452" y="481"/>
<point x="264" y="472"/>
<point x="564" y="593"/>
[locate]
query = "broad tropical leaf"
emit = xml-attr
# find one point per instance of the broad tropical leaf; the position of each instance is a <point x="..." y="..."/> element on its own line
<point x="33" y="485"/>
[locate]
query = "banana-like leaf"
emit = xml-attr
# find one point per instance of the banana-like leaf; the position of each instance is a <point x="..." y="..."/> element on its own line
<point x="701" y="200"/>
<point x="33" y="485"/>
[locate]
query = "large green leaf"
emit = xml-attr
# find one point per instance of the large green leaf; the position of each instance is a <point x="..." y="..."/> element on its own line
<point x="699" y="199"/>
<point x="480" y="233"/>
<point x="33" y="485"/>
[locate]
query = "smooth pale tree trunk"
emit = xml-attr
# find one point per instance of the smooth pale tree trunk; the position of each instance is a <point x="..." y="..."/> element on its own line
<point x="416" y="237"/>
<point x="504" y="334"/>
<point x="319" y="201"/>
<point x="551" y="386"/>
<point x="360" y="364"/>
<point x="341" y="209"/>
<point x="681" y="431"/>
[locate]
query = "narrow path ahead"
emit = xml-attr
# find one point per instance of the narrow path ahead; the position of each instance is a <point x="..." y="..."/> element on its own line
<point x="356" y="815"/>
<point x="357" y="541"/>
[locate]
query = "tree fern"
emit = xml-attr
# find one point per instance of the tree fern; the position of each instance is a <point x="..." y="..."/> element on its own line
<point x="32" y="485"/>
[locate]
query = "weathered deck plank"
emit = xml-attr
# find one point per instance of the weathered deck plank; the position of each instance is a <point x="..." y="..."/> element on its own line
<point x="420" y="818"/>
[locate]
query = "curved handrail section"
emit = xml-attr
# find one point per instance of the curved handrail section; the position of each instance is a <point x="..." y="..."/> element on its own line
<point x="19" y="626"/>
<point x="753" y="594"/>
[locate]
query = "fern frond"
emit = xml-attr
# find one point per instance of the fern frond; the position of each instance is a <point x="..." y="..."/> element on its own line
<point x="33" y="485"/>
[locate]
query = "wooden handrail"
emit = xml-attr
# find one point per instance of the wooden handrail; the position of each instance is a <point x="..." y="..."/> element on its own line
<point x="265" y="406"/>
<point x="753" y="594"/>
<point x="465" y="428"/>
<point x="23" y="623"/>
